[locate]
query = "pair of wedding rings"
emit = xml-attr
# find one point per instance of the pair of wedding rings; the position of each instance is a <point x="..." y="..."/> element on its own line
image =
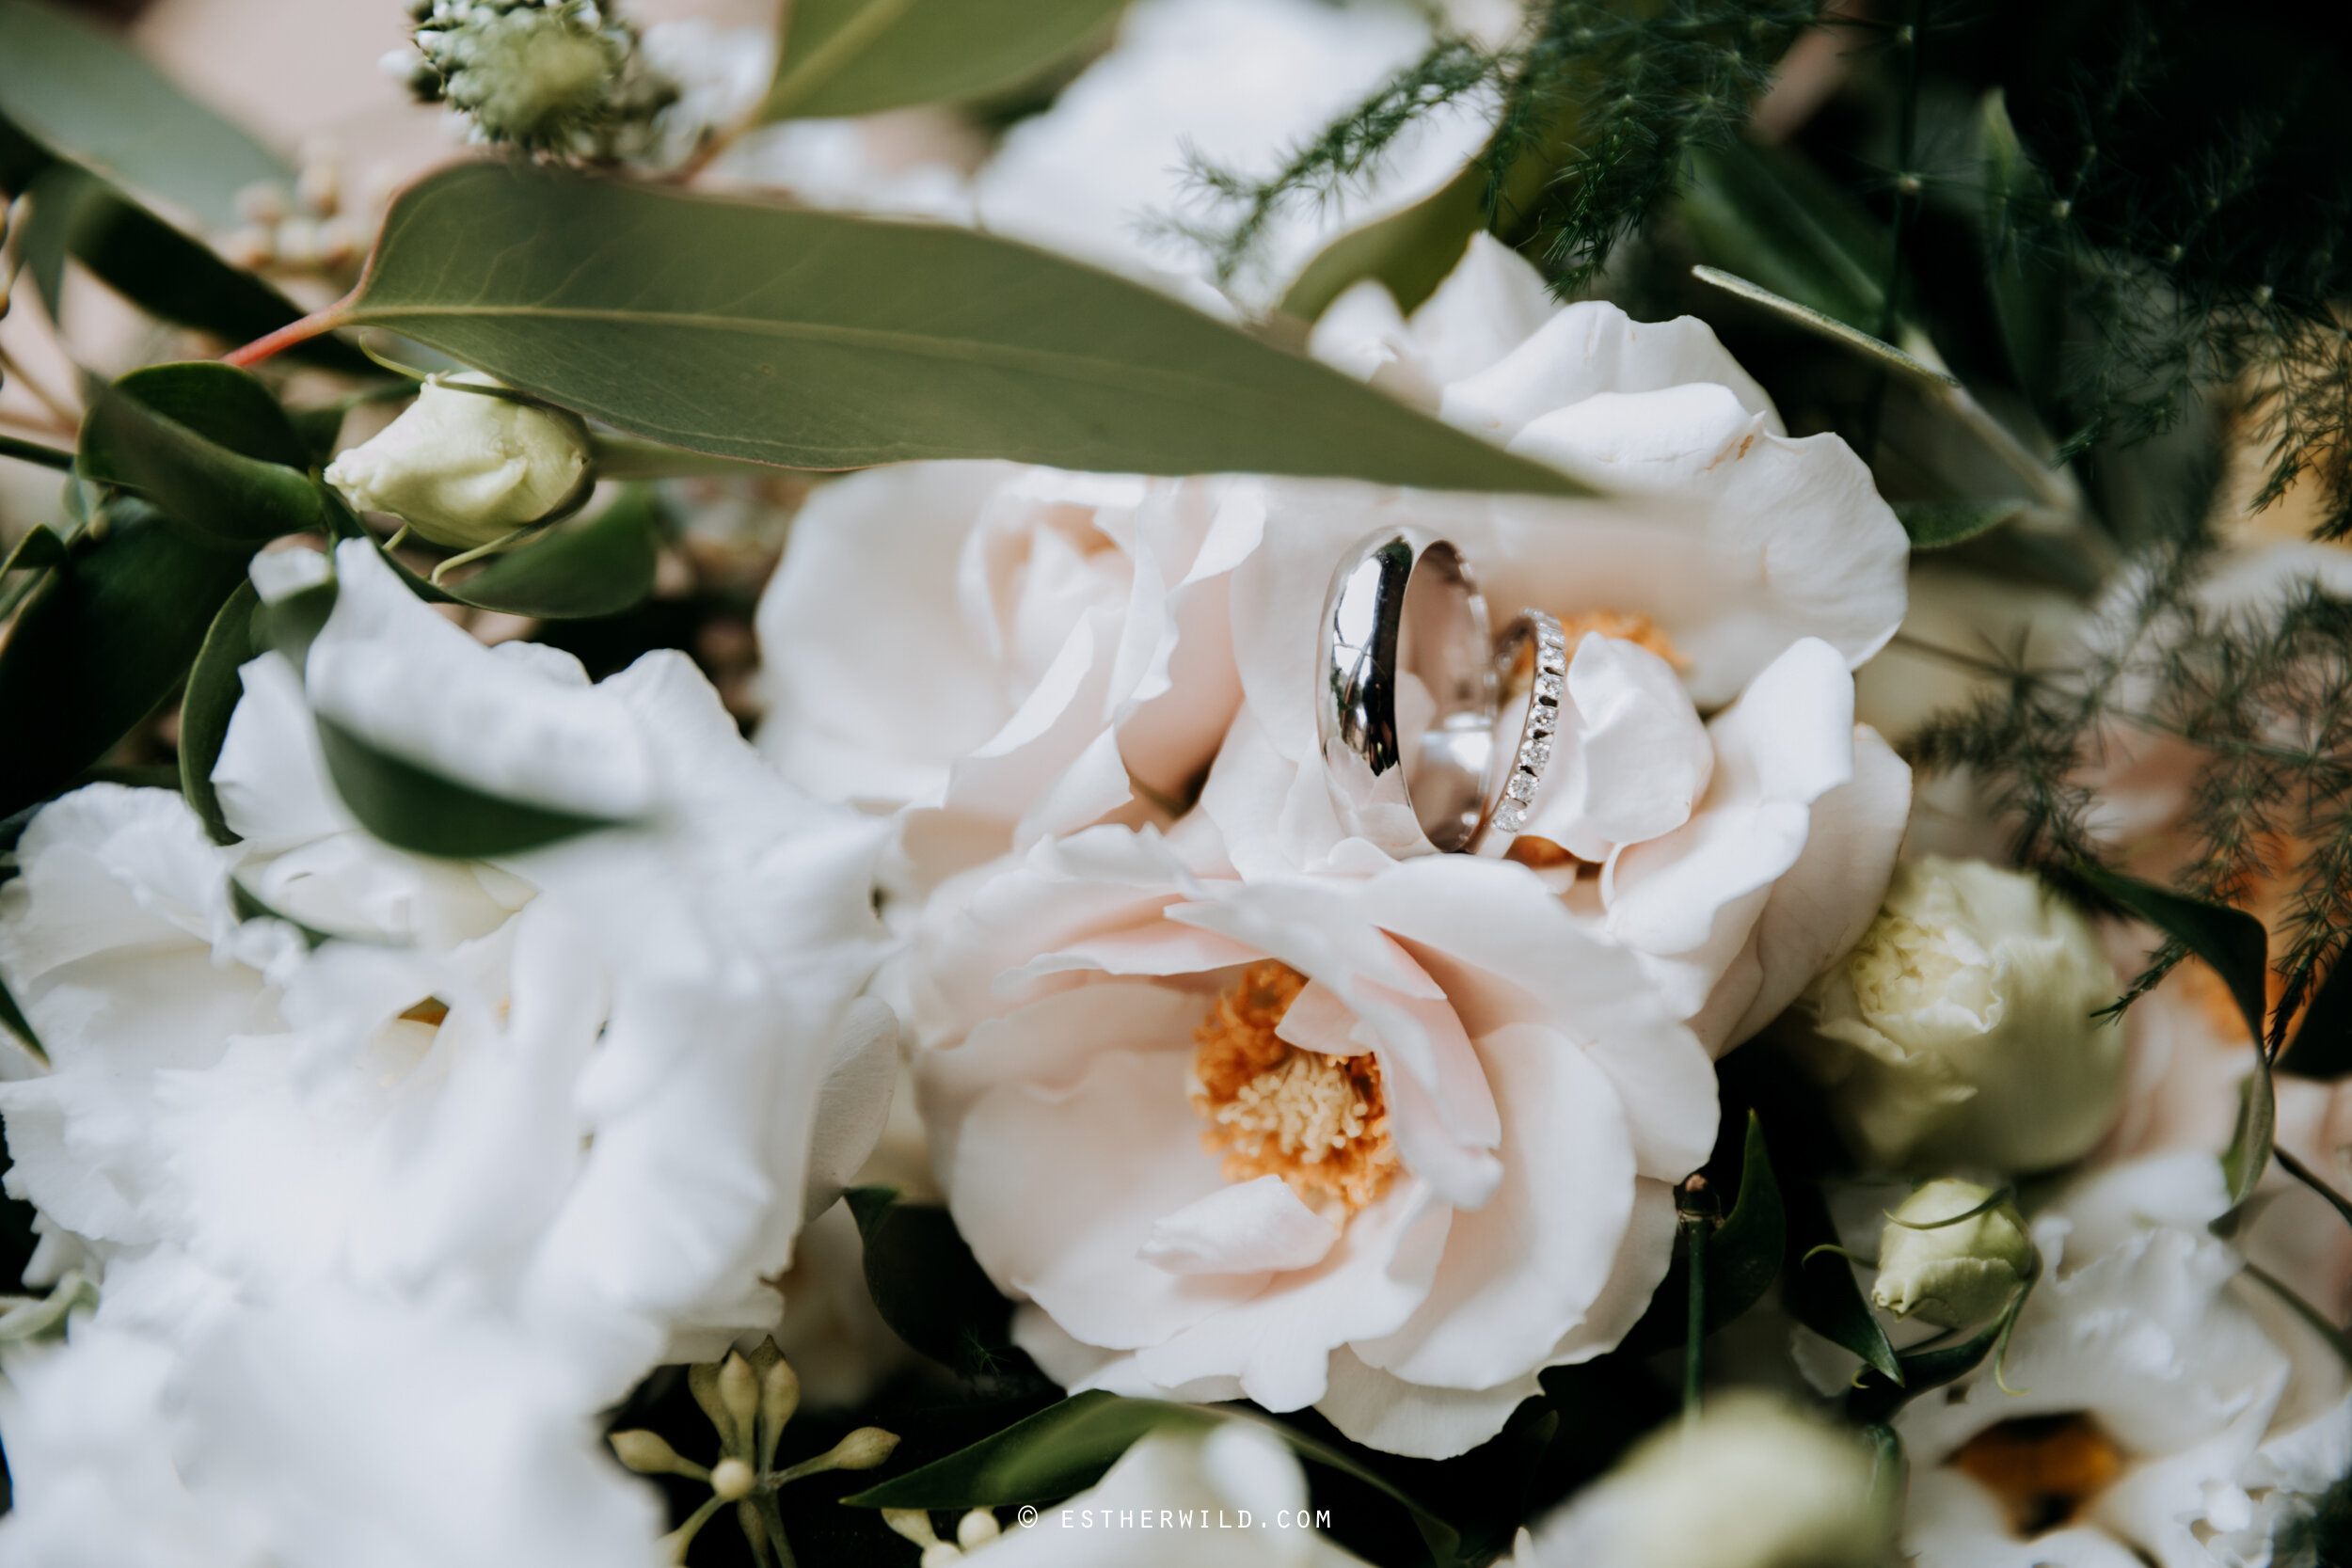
<point x="1414" y="688"/>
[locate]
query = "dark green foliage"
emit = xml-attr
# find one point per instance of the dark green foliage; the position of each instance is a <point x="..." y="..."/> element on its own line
<point x="2321" y="1537"/>
<point x="1599" y="101"/>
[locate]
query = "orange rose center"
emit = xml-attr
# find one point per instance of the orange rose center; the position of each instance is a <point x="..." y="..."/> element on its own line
<point x="2045" y="1470"/>
<point x="1319" y="1122"/>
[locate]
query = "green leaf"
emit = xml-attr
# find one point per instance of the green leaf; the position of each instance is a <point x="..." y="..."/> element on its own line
<point x="2238" y="950"/>
<point x="2231" y="940"/>
<point x="598" y="566"/>
<point x="1410" y="253"/>
<point x="102" y="639"/>
<point x="1060" y="1451"/>
<point x="2028" y="292"/>
<point x="199" y="480"/>
<point x="926" y="1286"/>
<point x="1765" y="213"/>
<point x="1819" y="1289"/>
<point x="213" y="689"/>
<point x="1743" y="1257"/>
<point x="1822" y="325"/>
<point x="12" y="1017"/>
<point x="412" y="808"/>
<point x="819" y="339"/>
<point x="1876" y="1396"/>
<point x="2323" y="1041"/>
<point x="155" y="266"/>
<point x="39" y="547"/>
<point x="1940" y="524"/>
<point x="857" y="56"/>
<point x="84" y="95"/>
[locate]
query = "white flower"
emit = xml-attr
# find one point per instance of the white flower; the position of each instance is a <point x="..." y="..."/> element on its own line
<point x="464" y="468"/>
<point x="1444" y="1115"/>
<point x="1946" y="1270"/>
<point x="643" y="1040"/>
<point x="330" y="1428"/>
<point x="1755" y="1484"/>
<point x="1233" y="1494"/>
<point x="1963" y="1029"/>
<point x="1053" y="642"/>
<point x="2147" y="1380"/>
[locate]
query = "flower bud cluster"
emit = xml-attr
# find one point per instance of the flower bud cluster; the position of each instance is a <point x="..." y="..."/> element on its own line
<point x="312" y="227"/>
<point x="563" y="77"/>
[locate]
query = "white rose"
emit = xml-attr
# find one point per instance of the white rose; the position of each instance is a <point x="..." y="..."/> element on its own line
<point x="2147" y="1393"/>
<point x="1447" y="1116"/>
<point x="1755" y="1484"/>
<point x="1946" y="1270"/>
<point x="1053" y="642"/>
<point x="1708" y="768"/>
<point x="643" y="1040"/>
<point x="464" y="468"/>
<point x="1962" y="1031"/>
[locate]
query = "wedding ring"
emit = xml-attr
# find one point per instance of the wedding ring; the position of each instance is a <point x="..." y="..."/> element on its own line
<point x="1405" y="708"/>
<point x="1533" y="640"/>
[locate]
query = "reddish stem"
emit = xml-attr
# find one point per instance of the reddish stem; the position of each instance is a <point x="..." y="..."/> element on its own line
<point x="317" y="324"/>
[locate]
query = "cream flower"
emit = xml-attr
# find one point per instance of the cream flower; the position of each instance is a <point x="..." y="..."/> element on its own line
<point x="1964" y="1028"/>
<point x="627" y="1037"/>
<point x="1755" y="1484"/>
<point x="2147" y="1380"/>
<point x="1055" y="643"/>
<point x="331" y="1428"/>
<point x="1387" y="1145"/>
<point x="466" y="468"/>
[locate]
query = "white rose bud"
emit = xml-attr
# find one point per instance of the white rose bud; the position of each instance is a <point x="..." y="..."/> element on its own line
<point x="1755" y="1484"/>
<point x="1961" y="1031"/>
<point x="1951" y="1275"/>
<point x="464" y="470"/>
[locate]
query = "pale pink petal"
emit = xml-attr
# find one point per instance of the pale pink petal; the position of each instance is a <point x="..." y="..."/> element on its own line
<point x="1592" y="350"/>
<point x="1385" y="1412"/>
<point x="1520" y="1273"/>
<point x="1257" y="1226"/>
<point x="1631" y="758"/>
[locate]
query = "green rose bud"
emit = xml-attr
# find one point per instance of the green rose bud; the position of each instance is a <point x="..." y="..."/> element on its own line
<point x="1961" y="1031"/>
<point x="1951" y="1272"/>
<point x="464" y="468"/>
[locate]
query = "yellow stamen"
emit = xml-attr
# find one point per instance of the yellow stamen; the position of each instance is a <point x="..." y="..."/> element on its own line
<point x="2045" y="1470"/>
<point x="1633" y="628"/>
<point x="1319" y="1122"/>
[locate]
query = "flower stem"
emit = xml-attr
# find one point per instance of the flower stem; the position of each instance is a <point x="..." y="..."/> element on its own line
<point x="316" y="324"/>
<point x="33" y="451"/>
<point x="1695" y="1231"/>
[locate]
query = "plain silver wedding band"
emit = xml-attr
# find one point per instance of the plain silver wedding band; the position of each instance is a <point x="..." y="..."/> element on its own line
<point x="1403" y="604"/>
<point x="1537" y="636"/>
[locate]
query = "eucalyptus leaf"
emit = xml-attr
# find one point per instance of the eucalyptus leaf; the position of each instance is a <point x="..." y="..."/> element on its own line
<point x="1818" y="1287"/>
<point x="821" y="340"/>
<point x="858" y="56"/>
<point x="84" y="95"/>
<point x="155" y="266"/>
<point x="600" y="565"/>
<point x="39" y="547"/>
<point x="926" y="1286"/>
<point x="1822" y="325"/>
<point x="1940" y="524"/>
<point x="211" y="699"/>
<point x="414" y="809"/>
<point x="216" y="490"/>
<point x="104" y="638"/>
<point x="1877" y="1395"/>
<point x="1060" y="1451"/>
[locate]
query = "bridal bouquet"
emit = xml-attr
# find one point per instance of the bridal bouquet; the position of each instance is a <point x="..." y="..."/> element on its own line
<point x="1289" y="782"/>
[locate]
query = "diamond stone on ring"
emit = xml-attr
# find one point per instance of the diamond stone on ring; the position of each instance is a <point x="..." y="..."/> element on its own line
<point x="1405" y="705"/>
<point x="1507" y="805"/>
